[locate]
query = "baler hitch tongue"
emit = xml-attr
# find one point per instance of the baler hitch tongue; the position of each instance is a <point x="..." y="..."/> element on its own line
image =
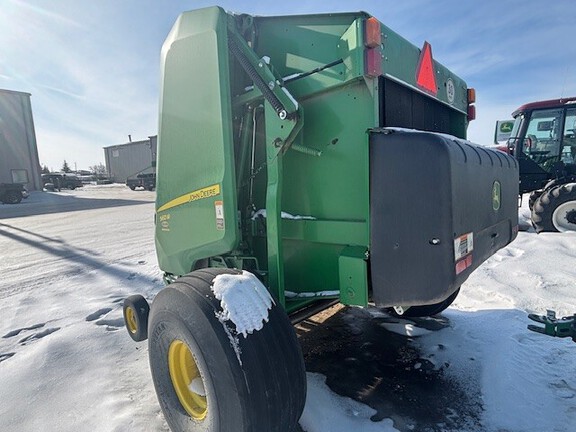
<point x="558" y="327"/>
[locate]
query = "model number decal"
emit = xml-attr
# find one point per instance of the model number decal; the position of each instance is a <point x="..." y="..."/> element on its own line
<point x="196" y="195"/>
<point x="165" y="222"/>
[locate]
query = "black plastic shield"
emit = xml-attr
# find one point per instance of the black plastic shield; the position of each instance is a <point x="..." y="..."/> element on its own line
<point x="439" y="207"/>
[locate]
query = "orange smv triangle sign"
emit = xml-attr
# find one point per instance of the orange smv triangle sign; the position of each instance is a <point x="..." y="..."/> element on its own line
<point x="425" y="76"/>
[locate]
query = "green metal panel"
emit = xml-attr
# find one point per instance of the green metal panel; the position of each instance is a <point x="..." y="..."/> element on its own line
<point x="324" y="173"/>
<point x="311" y="267"/>
<point x="195" y="148"/>
<point x="353" y="276"/>
<point x="302" y="43"/>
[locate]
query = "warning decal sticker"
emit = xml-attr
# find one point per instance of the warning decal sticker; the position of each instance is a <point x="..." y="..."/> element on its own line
<point x="219" y="208"/>
<point x="463" y="245"/>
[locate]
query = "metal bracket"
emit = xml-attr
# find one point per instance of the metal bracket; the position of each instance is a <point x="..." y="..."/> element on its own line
<point x="557" y="327"/>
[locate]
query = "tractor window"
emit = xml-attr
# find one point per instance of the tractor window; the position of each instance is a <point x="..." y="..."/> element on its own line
<point x="542" y="143"/>
<point x="569" y="137"/>
<point x="518" y="123"/>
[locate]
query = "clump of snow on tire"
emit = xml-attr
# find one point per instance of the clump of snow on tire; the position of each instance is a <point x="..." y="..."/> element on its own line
<point x="244" y="301"/>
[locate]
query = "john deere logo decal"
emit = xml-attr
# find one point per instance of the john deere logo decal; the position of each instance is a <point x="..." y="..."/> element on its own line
<point x="506" y="127"/>
<point x="496" y="195"/>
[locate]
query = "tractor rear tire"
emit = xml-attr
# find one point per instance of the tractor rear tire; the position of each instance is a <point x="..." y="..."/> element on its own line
<point x="555" y="210"/>
<point x="208" y="377"/>
<point x="427" y="310"/>
<point x="534" y="196"/>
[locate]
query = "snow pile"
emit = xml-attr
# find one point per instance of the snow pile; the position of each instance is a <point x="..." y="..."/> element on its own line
<point x="244" y="301"/>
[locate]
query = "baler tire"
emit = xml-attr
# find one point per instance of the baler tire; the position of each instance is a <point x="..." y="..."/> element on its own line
<point x="136" y="310"/>
<point x="555" y="211"/>
<point x="428" y="310"/>
<point x="253" y="383"/>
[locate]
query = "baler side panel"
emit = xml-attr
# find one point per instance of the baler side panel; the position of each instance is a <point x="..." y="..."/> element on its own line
<point x="196" y="197"/>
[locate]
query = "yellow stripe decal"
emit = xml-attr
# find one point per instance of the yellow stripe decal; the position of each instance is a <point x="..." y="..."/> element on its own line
<point x="199" y="194"/>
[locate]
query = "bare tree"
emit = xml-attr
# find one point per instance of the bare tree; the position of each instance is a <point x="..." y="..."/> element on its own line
<point x="99" y="170"/>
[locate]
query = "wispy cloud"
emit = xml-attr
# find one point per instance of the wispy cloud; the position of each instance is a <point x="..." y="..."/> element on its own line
<point x="93" y="67"/>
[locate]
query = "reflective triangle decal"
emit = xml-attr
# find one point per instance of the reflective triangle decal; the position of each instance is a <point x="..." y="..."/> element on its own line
<point x="425" y="74"/>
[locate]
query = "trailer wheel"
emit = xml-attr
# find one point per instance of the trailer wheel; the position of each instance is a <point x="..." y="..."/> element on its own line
<point x="208" y="377"/>
<point x="12" y="197"/>
<point x="427" y="310"/>
<point x="136" y="311"/>
<point x="555" y="211"/>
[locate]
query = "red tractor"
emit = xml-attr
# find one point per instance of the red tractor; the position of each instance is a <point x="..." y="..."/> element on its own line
<point x="543" y="140"/>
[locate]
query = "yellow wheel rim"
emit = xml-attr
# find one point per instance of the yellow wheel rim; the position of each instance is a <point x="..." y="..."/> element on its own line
<point x="131" y="322"/>
<point x="187" y="380"/>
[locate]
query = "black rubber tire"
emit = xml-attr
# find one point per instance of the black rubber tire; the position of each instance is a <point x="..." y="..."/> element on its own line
<point x="265" y="392"/>
<point x="132" y="187"/>
<point x="136" y="311"/>
<point x="12" y="197"/>
<point x="534" y="196"/>
<point x="428" y="310"/>
<point x="544" y="215"/>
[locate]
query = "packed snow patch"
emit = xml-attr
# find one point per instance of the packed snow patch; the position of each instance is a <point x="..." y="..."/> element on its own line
<point x="292" y="294"/>
<point x="284" y="215"/>
<point x="244" y="301"/>
<point x="197" y="386"/>
<point x="405" y="329"/>
<point x="345" y="414"/>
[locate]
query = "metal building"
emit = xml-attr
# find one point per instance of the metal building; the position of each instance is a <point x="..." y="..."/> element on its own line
<point x="130" y="159"/>
<point x="19" y="161"/>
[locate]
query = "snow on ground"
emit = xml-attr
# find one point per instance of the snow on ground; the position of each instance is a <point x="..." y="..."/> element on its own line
<point x="67" y="364"/>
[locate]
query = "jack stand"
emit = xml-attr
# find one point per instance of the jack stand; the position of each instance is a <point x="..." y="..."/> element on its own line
<point x="558" y="327"/>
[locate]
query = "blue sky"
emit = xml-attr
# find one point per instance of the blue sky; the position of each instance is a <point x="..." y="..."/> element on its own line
<point x="92" y="66"/>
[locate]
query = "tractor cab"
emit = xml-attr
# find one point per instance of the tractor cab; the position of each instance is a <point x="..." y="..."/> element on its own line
<point x="543" y="139"/>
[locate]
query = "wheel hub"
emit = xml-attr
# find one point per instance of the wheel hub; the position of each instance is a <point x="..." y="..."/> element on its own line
<point x="564" y="217"/>
<point x="131" y="323"/>
<point x="571" y="216"/>
<point x="187" y="381"/>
